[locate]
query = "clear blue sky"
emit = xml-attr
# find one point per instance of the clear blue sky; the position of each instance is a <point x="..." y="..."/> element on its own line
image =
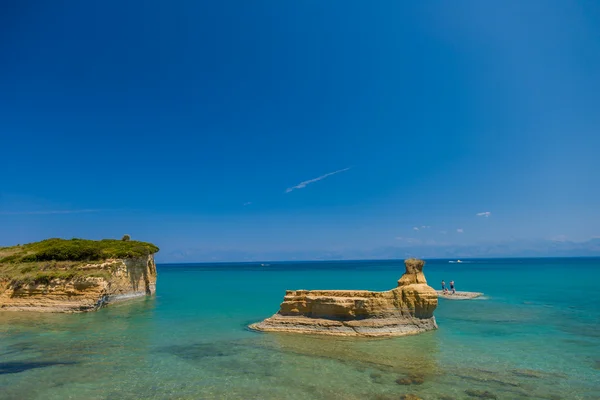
<point x="165" y="119"/>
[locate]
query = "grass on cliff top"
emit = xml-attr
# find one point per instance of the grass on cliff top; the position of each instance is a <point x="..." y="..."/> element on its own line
<point x="75" y="250"/>
<point x="43" y="261"/>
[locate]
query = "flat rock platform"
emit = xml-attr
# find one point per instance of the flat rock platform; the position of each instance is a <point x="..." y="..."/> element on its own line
<point x="458" y="295"/>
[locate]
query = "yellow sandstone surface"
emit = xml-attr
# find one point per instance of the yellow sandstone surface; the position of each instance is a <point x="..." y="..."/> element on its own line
<point x="404" y="310"/>
<point x="126" y="278"/>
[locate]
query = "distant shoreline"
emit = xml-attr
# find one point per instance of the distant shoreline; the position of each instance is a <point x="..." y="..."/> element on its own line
<point x="365" y="260"/>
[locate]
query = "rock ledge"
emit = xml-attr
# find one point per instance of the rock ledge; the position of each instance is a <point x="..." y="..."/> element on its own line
<point x="459" y="295"/>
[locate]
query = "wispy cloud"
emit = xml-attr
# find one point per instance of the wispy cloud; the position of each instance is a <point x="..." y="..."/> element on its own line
<point x="460" y="230"/>
<point x="484" y="214"/>
<point x="302" y="185"/>
<point x="443" y="232"/>
<point x="46" y="212"/>
<point x="559" y="238"/>
<point x="418" y="228"/>
<point x="247" y="203"/>
<point x="408" y="240"/>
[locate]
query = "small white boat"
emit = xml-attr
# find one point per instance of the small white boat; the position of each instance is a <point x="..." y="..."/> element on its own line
<point x="453" y="262"/>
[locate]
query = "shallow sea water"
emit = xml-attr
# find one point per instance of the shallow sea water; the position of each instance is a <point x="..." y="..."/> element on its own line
<point x="535" y="335"/>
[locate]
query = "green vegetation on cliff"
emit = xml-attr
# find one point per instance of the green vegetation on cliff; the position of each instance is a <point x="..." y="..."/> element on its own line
<point x="49" y="259"/>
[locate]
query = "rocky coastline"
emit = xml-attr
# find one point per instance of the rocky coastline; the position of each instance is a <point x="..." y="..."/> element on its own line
<point x="69" y="286"/>
<point x="404" y="310"/>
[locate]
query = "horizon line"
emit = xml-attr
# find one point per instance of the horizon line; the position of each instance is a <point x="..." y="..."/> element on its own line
<point x="370" y="259"/>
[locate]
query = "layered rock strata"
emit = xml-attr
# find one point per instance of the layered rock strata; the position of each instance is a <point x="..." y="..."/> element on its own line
<point x="122" y="279"/>
<point x="405" y="310"/>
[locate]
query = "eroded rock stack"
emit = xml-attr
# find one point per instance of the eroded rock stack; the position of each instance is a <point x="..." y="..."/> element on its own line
<point x="405" y="310"/>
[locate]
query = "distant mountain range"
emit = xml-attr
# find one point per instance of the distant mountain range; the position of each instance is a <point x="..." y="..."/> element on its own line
<point x="512" y="248"/>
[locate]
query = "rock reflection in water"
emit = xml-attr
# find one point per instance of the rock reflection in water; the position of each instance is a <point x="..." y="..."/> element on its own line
<point x="412" y="354"/>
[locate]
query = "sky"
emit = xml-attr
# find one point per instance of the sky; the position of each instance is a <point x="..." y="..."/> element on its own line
<point x="238" y="130"/>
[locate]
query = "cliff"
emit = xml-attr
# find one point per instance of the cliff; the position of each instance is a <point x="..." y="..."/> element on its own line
<point x="404" y="310"/>
<point x="75" y="275"/>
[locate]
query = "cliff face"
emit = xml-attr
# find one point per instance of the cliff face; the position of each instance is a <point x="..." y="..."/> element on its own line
<point x="405" y="310"/>
<point x="121" y="279"/>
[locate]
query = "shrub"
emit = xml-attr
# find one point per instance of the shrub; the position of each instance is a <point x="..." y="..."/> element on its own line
<point x="126" y="238"/>
<point x="10" y="259"/>
<point x="80" y="250"/>
<point x="27" y="269"/>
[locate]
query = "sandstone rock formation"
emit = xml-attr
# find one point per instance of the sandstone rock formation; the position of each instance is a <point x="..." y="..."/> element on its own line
<point x="405" y="310"/>
<point x="123" y="279"/>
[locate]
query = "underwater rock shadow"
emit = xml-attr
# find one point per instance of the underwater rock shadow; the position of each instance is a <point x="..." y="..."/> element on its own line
<point x="19" y="348"/>
<point x="14" y="367"/>
<point x="416" y="354"/>
<point x="228" y="358"/>
<point x="198" y="351"/>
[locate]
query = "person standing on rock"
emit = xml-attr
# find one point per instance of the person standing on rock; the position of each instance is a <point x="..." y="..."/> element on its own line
<point x="444" y="290"/>
<point x="452" y="287"/>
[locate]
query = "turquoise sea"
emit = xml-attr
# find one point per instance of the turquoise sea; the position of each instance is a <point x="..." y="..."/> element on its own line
<point x="535" y="335"/>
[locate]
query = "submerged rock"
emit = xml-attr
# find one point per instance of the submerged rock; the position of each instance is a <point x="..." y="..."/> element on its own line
<point x="410" y="397"/>
<point x="526" y="373"/>
<point x="382" y="396"/>
<point x="405" y="310"/>
<point x="481" y="394"/>
<point x="411" y="380"/>
<point x="376" y="377"/>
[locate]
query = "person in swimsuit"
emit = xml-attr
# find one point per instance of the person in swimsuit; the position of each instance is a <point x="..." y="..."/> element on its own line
<point x="444" y="290"/>
<point x="452" y="287"/>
